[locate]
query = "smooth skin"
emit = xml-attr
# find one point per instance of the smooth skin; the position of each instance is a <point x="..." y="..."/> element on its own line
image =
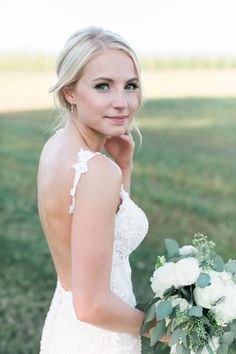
<point x="81" y="244"/>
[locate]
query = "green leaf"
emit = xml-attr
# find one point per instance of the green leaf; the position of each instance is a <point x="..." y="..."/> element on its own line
<point x="174" y="311"/>
<point x="230" y="267"/>
<point x="210" y="351"/>
<point x="234" y="278"/>
<point x="218" y="263"/>
<point x="158" y="332"/>
<point x="140" y="306"/>
<point x="145" y="328"/>
<point x="219" y="301"/>
<point x="172" y="248"/>
<point x="164" y="309"/>
<point x="157" y="348"/>
<point x="168" y="329"/>
<point x="195" y="338"/>
<point x="180" y="349"/>
<point x="174" y="338"/>
<point x="186" y="293"/>
<point x="232" y="326"/>
<point x="184" y="339"/>
<point x="203" y="280"/>
<point x="228" y="338"/>
<point x="195" y="311"/>
<point x="150" y="313"/>
<point x="223" y="349"/>
<point x="169" y="291"/>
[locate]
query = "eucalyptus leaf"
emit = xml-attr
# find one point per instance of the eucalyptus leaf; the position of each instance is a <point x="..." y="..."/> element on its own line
<point x="199" y="351"/>
<point x="195" y="338"/>
<point x="172" y="248"/>
<point x="174" y="338"/>
<point x="223" y="349"/>
<point x="140" y="306"/>
<point x="164" y="309"/>
<point x="168" y="329"/>
<point x="154" y="300"/>
<point x="210" y="351"/>
<point x="230" y="267"/>
<point x="180" y="349"/>
<point x="145" y="328"/>
<point x="151" y="312"/>
<point x="228" y="338"/>
<point x="187" y="350"/>
<point x="169" y="291"/>
<point x="174" y="311"/>
<point x="184" y="339"/>
<point x="158" y="332"/>
<point x="195" y="311"/>
<point x="157" y="347"/>
<point x="186" y="293"/>
<point x="218" y="263"/>
<point x="203" y="280"/>
<point x="175" y="258"/>
<point x="232" y="326"/>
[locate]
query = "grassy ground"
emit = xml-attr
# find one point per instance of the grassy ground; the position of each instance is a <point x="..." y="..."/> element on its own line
<point x="184" y="179"/>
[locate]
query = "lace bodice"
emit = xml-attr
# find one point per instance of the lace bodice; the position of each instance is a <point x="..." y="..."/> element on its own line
<point x="62" y="330"/>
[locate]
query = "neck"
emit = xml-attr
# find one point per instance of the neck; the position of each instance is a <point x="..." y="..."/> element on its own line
<point x="91" y="139"/>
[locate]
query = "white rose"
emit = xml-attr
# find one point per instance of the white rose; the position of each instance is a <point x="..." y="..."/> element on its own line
<point x="187" y="250"/>
<point x="226" y="277"/>
<point x="163" y="278"/>
<point x="227" y="309"/>
<point x="207" y="296"/>
<point x="187" y="271"/>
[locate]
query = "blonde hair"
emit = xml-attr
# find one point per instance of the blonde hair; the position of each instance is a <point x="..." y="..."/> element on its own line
<point x="71" y="62"/>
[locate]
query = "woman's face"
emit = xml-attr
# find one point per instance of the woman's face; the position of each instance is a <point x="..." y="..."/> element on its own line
<point x="108" y="88"/>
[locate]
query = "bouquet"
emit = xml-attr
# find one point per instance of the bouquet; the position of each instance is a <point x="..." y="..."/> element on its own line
<point x="195" y="299"/>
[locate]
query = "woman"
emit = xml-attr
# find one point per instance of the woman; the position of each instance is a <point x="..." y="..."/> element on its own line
<point x="90" y="222"/>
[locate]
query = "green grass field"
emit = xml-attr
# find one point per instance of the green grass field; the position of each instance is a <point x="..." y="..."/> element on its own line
<point x="184" y="180"/>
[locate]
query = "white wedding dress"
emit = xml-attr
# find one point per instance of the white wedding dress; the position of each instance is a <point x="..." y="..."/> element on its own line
<point x="63" y="333"/>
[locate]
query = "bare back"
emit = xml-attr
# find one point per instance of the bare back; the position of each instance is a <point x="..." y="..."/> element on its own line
<point x="55" y="180"/>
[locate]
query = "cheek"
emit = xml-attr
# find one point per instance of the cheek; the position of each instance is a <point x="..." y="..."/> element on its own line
<point x="134" y="103"/>
<point x="92" y="105"/>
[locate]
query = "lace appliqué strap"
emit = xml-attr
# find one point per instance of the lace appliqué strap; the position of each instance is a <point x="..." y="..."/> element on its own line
<point x="80" y="167"/>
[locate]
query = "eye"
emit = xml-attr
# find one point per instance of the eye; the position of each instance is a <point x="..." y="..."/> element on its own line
<point x="101" y="86"/>
<point x="133" y="85"/>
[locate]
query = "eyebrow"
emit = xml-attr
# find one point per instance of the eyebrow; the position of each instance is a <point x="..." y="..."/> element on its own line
<point x="111" y="80"/>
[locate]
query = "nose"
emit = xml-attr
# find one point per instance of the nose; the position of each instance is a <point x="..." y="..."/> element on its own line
<point x="119" y="100"/>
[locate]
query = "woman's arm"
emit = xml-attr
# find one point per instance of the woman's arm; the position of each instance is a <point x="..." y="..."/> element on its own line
<point x="92" y="237"/>
<point x="126" y="177"/>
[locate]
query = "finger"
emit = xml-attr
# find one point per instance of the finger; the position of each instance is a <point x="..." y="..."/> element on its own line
<point x="127" y="132"/>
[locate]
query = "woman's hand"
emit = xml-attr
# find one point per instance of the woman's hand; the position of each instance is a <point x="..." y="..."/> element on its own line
<point x="147" y="334"/>
<point x="121" y="149"/>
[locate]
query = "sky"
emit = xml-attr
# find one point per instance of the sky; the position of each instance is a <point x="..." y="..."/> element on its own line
<point x="163" y="27"/>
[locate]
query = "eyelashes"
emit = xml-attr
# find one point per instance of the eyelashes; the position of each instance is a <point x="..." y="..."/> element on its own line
<point x="102" y="84"/>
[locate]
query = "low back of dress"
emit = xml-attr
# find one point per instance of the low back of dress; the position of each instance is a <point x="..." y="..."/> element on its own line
<point x="62" y="331"/>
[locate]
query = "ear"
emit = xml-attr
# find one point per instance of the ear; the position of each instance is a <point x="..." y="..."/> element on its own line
<point x="68" y="94"/>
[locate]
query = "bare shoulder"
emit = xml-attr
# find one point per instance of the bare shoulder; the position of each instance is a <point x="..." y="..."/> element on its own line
<point x="100" y="186"/>
<point x="100" y="165"/>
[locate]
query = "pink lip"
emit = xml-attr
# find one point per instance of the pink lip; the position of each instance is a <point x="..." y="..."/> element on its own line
<point x="118" y="117"/>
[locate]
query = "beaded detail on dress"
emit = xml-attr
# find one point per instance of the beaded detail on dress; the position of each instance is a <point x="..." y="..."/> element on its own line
<point x="63" y="333"/>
